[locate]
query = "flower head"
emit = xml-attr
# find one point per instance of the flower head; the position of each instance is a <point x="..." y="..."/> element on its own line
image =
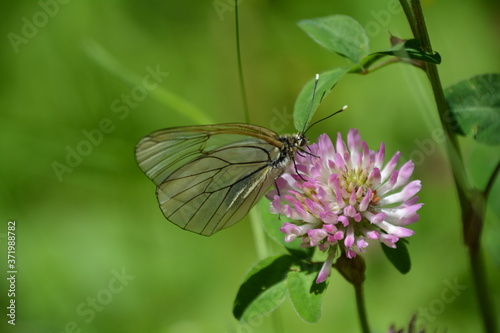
<point x="344" y="197"/>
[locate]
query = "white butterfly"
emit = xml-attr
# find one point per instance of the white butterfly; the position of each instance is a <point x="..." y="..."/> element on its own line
<point x="209" y="177"/>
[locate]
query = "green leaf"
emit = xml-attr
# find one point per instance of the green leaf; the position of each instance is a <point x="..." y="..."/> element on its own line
<point x="264" y="288"/>
<point x="475" y="108"/>
<point x="305" y="293"/>
<point x="338" y="33"/>
<point x="411" y="49"/>
<point x="415" y="51"/>
<point x="272" y="224"/>
<point x="303" y="110"/>
<point x="399" y="256"/>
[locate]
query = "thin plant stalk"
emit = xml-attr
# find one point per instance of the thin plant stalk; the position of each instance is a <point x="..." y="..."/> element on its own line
<point x="259" y="235"/>
<point x="360" y="303"/>
<point x="240" y="66"/>
<point x="472" y="202"/>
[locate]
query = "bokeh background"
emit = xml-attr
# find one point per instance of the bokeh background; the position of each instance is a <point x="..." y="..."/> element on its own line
<point x="67" y="68"/>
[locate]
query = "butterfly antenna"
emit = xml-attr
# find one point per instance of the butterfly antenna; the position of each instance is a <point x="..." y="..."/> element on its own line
<point x="312" y="102"/>
<point x="333" y="114"/>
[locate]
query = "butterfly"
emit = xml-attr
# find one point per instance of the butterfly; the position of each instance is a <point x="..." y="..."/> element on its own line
<point x="208" y="177"/>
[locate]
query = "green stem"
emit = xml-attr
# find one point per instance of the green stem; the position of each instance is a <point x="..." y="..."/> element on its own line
<point x="409" y="16"/>
<point x="491" y="181"/>
<point x="360" y="303"/>
<point x="482" y="292"/>
<point x="472" y="201"/>
<point x="259" y="235"/>
<point x="371" y="64"/>
<point x="381" y="64"/>
<point x="240" y="67"/>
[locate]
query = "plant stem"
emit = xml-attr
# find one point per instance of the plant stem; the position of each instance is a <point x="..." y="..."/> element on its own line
<point x="472" y="201"/>
<point x="409" y="16"/>
<point x="360" y="302"/>
<point x="485" y="304"/>
<point x="259" y="235"/>
<point x="240" y="67"/>
<point x="491" y="181"/>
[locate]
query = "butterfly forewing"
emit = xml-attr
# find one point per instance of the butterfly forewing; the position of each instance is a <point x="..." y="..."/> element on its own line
<point x="209" y="177"/>
<point x="161" y="152"/>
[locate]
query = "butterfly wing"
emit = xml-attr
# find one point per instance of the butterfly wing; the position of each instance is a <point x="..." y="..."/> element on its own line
<point x="207" y="177"/>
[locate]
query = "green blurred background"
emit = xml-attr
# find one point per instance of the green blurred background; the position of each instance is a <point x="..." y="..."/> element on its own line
<point x="99" y="218"/>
